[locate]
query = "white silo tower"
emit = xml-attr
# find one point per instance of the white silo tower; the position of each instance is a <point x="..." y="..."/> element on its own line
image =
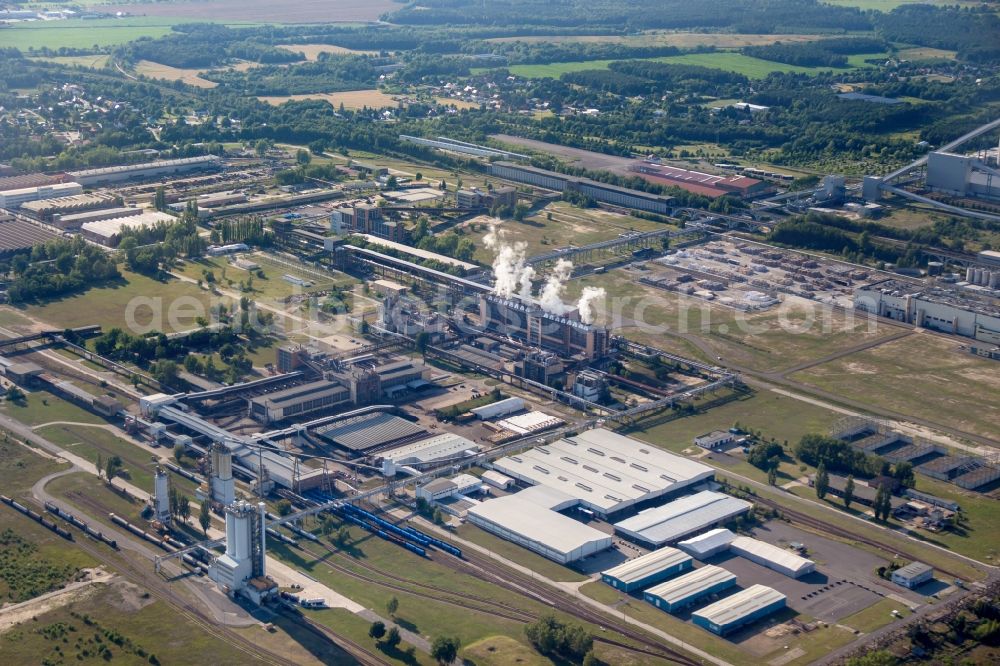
<point x="161" y="496"/>
<point x="221" y="483"/>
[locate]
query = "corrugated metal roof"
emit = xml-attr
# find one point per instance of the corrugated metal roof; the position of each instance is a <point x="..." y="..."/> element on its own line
<point x="707" y="542"/>
<point x="682" y="517"/>
<point x="647" y="565"/>
<point x="739" y="605"/>
<point x="779" y="556"/>
<point x="605" y="470"/>
<point x="691" y="584"/>
<point x="913" y="569"/>
<point x="523" y="517"/>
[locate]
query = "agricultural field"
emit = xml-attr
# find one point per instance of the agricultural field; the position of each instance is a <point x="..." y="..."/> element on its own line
<point x="263" y="11"/>
<point x="155" y="70"/>
<point x="457" y="103"/>
<point x="755" y="68"/>
<point x="925" y="53"/>
<point x="886" y="6"/>
<point x="722" y="40"/>
<point x="353" y="99"/>
<point x="81" y="34"/>
<point x="312" y="51"/>
<point x="174" y="300"/>
<point x="98" y="61"/>
<point x="909" y="374"/>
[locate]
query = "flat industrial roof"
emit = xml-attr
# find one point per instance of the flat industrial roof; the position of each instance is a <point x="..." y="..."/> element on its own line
<point x="604" y="470"/>
<point x="445" y="445"/>
<point x="112" y="227"/>
<point x="525" y="518"/>
<point x="743" y="603"/>
<point x="103" y="171"/>
<point x="368" y="431"/>
<point x="690" y="584"/>
<point x="779" y="556"/>
<point x="646" y="565"/>
<point x="530" y="422"/>
<point x="681" y="517"/>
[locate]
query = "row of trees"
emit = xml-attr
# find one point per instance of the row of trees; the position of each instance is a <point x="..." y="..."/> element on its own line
<point x="59" y="268"/>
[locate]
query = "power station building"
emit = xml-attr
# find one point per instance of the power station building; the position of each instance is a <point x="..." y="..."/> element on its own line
<point x="602" y="192"/>
<point x="962" y="176"/>
<point x="930" y="307"/>
<point x="528" y="322"/>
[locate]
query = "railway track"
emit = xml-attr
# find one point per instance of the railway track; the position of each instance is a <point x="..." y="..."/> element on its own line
<point x="513" y="580"/>
<point x="826" y="528"/>
<point x="468" y="602"/>
<point x="356" y="650"/>
<point x="153" y="584"/>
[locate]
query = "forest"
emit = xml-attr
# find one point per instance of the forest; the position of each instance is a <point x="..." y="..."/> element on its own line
<point x="821" y="53"/>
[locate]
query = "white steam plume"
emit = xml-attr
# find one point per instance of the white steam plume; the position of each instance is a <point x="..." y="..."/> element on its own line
<point x="585" y="305"/>
<point x="550" y="297"/>
<point x="511" y="276"/>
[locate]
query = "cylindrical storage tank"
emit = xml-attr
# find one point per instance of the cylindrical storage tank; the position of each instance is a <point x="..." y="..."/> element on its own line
<point x="978" y="276"/>
<point x="230" y="534"/>
<point x="970" y="274"/>
<point x="994" y="279"/>
<point x="242" y="536"/>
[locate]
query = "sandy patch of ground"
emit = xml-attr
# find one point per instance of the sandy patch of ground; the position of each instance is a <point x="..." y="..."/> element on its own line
<point x="354" y="99"/>
<point x="312" y="51"/>
<point x="156" y="70"/>
<point x="11" y="616"/>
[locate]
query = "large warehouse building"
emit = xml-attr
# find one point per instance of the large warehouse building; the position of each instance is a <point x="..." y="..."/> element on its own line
<point x="530" y="519"/>
<point x="749" y="605"/>
<point x="606" y="472"/>
<point x="560" y="182"/>
<point x="117" y="174"/>
<point x="647" y="569"/>
<point x="772" y="557"/>
<point x="688" y="589"/>
<point x="11" y="199"/>
<point x="708" y="544"/>
<point x="930" y="307"/>
<point x="676" y="520"/>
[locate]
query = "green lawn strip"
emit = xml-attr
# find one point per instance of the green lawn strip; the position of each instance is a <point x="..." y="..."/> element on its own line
<point x="86" y="486"/>
<point x="355" y="628"/>
<point x="875" y="616"/>
<point x="88" y="443"/>
<point x="522" y="556"/>
<point x="20" y="468"/>
<point x="43" y="407"/>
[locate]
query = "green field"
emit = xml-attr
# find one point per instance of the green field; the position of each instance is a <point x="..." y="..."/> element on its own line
<point x="754" y="68"/>
<point x="43" y="407"/>
<point x="88" y="443"/>
<point x="909" y="374"/>
<point x="109" y="305"/>
<point x="20" y="467"/>
<point x="81" y="34"/>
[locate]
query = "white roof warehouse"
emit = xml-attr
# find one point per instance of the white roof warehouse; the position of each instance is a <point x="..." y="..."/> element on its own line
<point x="606" y="471"/>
